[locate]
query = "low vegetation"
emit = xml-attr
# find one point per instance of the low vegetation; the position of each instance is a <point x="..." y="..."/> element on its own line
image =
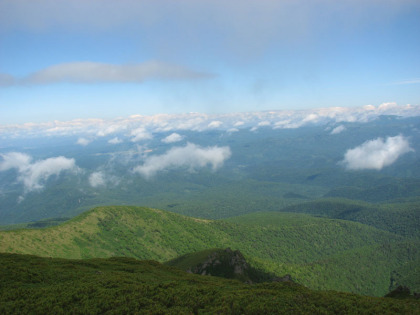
<point x="38" y="285"/>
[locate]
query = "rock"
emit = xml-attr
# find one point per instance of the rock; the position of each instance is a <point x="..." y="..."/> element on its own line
<point x="286" y="278"/>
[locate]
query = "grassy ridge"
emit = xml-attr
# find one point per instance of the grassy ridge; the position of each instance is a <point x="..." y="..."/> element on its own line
<point x="293" y="243"/>
<point x="37" y="285"/>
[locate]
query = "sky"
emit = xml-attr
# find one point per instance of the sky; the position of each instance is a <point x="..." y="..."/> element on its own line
<point x="65" y="60"/>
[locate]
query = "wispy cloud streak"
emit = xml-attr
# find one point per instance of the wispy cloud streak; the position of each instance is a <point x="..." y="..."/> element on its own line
<point x="94" y="72"/>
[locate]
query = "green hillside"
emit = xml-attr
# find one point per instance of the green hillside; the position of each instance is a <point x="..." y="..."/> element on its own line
<point x="35" y="285"/>
<point x="399" y="218"/>
<point x="397" y="189"/>
<point x="291" y="244"/>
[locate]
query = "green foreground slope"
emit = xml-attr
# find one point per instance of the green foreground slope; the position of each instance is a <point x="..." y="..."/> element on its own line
<point x="35" y="285"/>
<point x="307" y="248"/>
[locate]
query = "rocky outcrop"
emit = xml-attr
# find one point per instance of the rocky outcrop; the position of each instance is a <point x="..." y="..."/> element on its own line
<point x="232" y="264"/>
<point x="286" y="278"/>
<point x="402" y="292"/>
<point x="225" y="263"/>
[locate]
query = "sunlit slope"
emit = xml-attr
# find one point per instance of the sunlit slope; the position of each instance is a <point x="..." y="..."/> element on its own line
<point x="296" y="244"/>
<point x="115" y="231"/>
<point x="155" y="234"/>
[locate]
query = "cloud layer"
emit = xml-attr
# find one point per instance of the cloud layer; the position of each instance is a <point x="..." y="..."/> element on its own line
<point x="190" y="156"/>
<point x="376" y="154"/>
<point x="141" y="128"/>
<point x="34" y="174"/>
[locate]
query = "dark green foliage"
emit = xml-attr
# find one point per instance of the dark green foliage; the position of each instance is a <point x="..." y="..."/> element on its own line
<point x="34" y="285"/>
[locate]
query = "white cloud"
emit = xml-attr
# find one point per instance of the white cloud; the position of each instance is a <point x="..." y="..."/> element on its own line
<point x="94" y="72"/>
<point x="174" y="137"/>
<point x="312" y="117"/>
<point x="17" y="160"/>
<point x="97" y="179"/>
<point x="191" y="156"/>
<point x="33" y="175"/>
<point x="140" y="134"/>
<point x="115" y="140"/>
<point x="338" y="130"/>
<point x="264" y="123"/>
<point x="83" y="141"/>
<point x="376" y="154"/>
<point x="215" y="124"/>
<point x="110" y="129"/>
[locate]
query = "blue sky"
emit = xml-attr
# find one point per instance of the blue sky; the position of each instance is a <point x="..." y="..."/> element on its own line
<point x="64" y="60"/>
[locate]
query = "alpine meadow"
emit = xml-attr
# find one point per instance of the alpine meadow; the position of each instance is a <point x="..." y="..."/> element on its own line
<point x="209" y="157"/>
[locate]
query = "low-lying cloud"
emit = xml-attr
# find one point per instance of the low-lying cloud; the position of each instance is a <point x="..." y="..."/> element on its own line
<point x="115" y="140"/>
<point x="83" y="141"/>
<point x="97" y="179"/>
<point x="140" y="134"/>
<point x="173" y="137"/>
<point x="337" y="130"/>
<point x="34" y="174"/>
<point x="191" y="156"/>
<point x="376" y="154"/>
